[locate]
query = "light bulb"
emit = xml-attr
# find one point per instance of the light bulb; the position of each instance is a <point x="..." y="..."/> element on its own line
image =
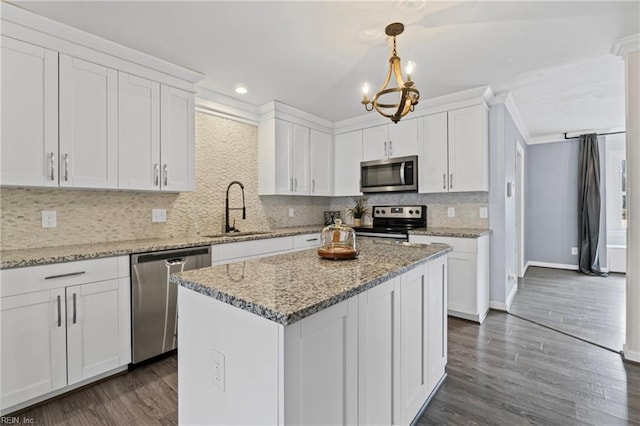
<point x="365" y="89"/>
<point x="410" y="67"/>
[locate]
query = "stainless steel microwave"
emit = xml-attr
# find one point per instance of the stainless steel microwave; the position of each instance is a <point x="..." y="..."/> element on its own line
<point x="391" y="175"/>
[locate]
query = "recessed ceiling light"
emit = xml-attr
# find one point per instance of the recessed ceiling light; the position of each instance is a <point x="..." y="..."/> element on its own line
<point x="241" y="90"/>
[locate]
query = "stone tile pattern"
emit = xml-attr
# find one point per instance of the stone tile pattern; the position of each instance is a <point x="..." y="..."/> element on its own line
<point x="46" y="255"/>
<point x="289" y="287"/>
<point x="467" y="205"/>
<point x="226" y="150"/>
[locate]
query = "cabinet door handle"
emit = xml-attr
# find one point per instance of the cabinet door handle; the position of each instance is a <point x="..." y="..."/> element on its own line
<point x="390" y="149"/>
<point x="156" y="174"/>
<point x="52" y="160"/>
<point x="74" y="308"/>
<point x="291" y="183"/>
<point x="59" y="312"/>
<point x="444" y="181"/>
<point x="295" y="187"/>
<point x="70" y="274"/>
<point x="451" y="181"/>
<point x="385" y="149"/>
<point x="165" y="172"/>
<point x="66" y="167"/>
<point x="313" y="186"/>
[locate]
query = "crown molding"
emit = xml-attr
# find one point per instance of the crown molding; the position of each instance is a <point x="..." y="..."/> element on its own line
<point x="215" y="103"/>
<point x="626" y="45"/>
<point x="506" y="99"/>
<point x="277" y="109"/>
<point x="45" y="32"/>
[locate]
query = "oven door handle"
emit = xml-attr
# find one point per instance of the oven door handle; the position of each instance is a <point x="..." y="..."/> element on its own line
<point x="402" y="179"/>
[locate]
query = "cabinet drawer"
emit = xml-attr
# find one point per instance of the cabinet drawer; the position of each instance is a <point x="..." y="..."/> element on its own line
<point x="460" y="245"/>
<point x="306" y="241"/>
<point x="58" y="275"/>
<point x="245" y="249"/>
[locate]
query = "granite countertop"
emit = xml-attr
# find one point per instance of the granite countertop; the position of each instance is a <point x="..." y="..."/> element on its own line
<point x="42" y="256"/>
<point x="288" y="287"/>
<point x="451" y="232"/>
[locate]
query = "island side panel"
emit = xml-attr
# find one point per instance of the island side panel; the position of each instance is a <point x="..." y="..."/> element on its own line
<point x="245" y="388"/>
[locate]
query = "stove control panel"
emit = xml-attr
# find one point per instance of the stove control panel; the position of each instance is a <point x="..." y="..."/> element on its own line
<point x="400" y="212"/>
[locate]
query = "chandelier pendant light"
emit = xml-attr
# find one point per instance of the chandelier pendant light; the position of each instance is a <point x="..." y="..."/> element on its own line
<point x="400" y="100"/>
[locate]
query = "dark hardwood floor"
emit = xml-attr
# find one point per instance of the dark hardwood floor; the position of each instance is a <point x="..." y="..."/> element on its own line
<point x="591" y="308"/>
<point x="507" y="371"/>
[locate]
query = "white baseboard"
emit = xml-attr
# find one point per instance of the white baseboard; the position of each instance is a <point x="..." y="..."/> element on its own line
<point x="553" y="265"/>
<point x="511" y="296"/>
<point x="498" y="306"/>
<point x="629" y="354"/>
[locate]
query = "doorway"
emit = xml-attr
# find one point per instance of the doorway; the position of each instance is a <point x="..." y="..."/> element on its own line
<point x="519" y="199"/>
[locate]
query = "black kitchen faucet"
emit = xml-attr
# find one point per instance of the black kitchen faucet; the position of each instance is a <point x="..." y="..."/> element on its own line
<point x="227" y="227"/>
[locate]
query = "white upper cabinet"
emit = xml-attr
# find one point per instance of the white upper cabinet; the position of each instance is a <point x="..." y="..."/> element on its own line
<point x="300" y="160"/>
<point x="177" y="140"/>
<point x="139" y="133"/>
<point x="390" y="140"/>
<point x="88" y="154"/>
<point x="321" y="163"/>
<point x="156" y="136"/>
<point x="454" y="151"/>
<point x="29" y="149"/>
<point x="75" y="116"/>
<point x="347" y="158"/>
<point x="293" y="159"/>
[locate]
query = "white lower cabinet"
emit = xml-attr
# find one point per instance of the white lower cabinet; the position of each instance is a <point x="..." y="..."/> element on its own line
<point x="468" y="274"/>
<point x="62" y="325"/>
<point x="374" y="358"/>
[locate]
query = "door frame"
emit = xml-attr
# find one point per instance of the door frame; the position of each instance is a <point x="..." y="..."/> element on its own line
<point x="520" y="206"/>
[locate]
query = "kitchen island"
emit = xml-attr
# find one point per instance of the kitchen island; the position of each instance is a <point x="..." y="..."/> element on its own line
<point x="296" y="339"/>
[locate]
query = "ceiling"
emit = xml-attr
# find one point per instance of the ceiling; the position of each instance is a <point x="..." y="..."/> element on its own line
<point x="554" y="57"/>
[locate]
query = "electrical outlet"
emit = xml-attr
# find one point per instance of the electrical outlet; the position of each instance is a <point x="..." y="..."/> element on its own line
<point x="218" y="370"/>
<point x="291" y="213"/>
<point x="49" y="219"/>
<point x="158" y="215"/>
<point x="451" y="212"/>
<point x="574" y="251"/>
<point x="484" y="213"/>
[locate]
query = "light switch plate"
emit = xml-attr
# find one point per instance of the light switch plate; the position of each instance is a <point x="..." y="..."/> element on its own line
<point x="218" y="370"/>
<point x="484" y="213"/>
<point x="574" y="251"/>
<point x="291" y="213"/>
<point x="451" y="212"/>
<point x="49" y="219"/>
<point x="158" y="215"/>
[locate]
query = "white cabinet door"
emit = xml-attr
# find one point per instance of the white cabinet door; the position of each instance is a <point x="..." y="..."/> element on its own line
<point x="413" y="389"/>
<point x="348" y="155"/>
<point x="375" y="143"/>
<point x="300" y="160"/>
<point x="32" y="345"/>
<point x="138" y="133"/>
<point x="284" y="150"/>
<point x="97" y="328"/>
<point x="378" y="352"/>
<point x="468" y="149"/>
<point x="436" y="317"/>
<point x="177" y="140"/>
<point x="29" y="149"/>
<point x="433" y="157"/>
<point x="321" y="163"/>
<point x="403" y="138"/>
<point x="88" y="154"/>
<point x="321" y="367"/>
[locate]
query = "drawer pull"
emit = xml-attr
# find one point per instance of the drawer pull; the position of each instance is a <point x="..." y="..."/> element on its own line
<point x="59" y="313"/>
<point x="74" y="308"/>
<point x="312" y="239"/>
<point x="71" y="274"/>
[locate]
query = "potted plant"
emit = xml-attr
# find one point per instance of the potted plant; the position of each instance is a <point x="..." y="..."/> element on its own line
<point x="358" y="211"/>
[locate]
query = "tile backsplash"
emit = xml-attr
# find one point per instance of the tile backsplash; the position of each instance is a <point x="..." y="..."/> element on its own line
<point x="226" y="150"/>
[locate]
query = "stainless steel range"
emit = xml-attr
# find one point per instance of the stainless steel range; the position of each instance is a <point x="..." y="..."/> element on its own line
<point x="394" y="222"/>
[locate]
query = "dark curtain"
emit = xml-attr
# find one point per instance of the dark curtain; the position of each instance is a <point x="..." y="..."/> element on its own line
<point x="589" y="205"/>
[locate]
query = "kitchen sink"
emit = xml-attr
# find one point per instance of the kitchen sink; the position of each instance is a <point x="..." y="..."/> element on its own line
<point x="237" y="234"/>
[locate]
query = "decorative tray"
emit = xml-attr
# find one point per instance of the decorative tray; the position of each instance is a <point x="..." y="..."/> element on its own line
<point x="338" y="253"/>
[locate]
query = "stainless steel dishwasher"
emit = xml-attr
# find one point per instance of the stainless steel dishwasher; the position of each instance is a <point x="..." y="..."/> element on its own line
<point x="154" y="320"/>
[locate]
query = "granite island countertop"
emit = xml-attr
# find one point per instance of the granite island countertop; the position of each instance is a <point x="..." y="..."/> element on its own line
<point x="289" y="287"/>
<point x="451" y="232"/>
